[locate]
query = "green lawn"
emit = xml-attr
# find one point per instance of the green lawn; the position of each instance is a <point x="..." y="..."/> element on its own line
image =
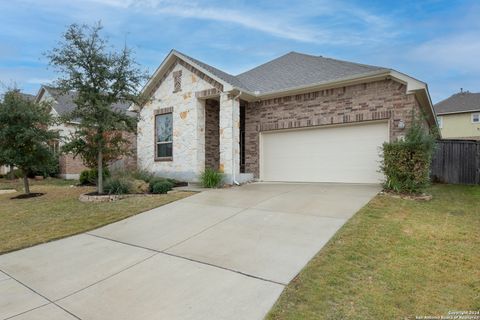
<point x="59" y="213"/>
<point x="395" y="259"/>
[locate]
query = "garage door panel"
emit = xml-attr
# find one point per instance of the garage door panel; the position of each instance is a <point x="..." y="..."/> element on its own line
<point x="334" y="154"/>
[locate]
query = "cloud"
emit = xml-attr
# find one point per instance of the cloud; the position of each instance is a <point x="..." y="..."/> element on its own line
<point x="457" y="52"/>
<point x="314" y="22"/>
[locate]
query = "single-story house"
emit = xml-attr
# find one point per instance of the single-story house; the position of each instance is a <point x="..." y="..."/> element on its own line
<point x="459" y="116"/>
<point x="298" y="118"/>
<point x="63" y="103"/>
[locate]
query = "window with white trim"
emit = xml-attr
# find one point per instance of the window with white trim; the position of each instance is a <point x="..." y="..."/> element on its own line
<point x="440" y="122"/>
<point x="475" y="117"/>
<point x="164" y="136"/>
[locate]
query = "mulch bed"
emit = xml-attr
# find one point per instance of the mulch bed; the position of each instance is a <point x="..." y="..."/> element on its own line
<point x="28" y="196"/>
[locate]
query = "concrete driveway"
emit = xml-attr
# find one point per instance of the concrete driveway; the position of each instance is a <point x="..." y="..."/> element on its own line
<point x="221" y="254"/>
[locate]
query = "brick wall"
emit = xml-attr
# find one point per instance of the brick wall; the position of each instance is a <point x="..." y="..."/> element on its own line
<point x="378" y="100"/>
<point x="212" y="134"/>
<point x="70" y="165"/>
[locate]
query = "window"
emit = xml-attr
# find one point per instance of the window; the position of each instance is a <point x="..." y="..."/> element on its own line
<point x="440" y="122"/>
<point x="163" y="136"/>
<point x="475" y="117"/>
<point x="54" y="146"/>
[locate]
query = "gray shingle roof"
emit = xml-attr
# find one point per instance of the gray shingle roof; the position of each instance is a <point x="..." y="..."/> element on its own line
<point x="296" y="70"/>
<point x="65" y="102"/>
<point x="459" y="102"/>
<point x="289" y="71"/>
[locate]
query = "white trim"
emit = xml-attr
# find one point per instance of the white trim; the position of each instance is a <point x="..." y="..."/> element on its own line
<point x="458" y="112"/>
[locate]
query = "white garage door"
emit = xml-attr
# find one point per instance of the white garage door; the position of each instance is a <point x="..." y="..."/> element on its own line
<point x="329" y="154"/>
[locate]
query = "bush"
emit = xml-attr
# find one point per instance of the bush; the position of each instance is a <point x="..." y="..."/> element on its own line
<point x="211" y="178"/>
<point x="14" y="174"/>
<point x="144" y="175"/>
<point x="160" y="186"/>
<point x="89" y="177"/>
<point x="139" y="186"/>
<point x="406" y="164"/>
<point x="117" y="186"/>
<point x="49" y="169"/>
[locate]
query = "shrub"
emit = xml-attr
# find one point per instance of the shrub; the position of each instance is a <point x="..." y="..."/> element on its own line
<point x="89" y="177"/>
<point x="211" y="178"/>
<point x="144" y="175"/>
<point x="406" y="164"/>
<point x="139" y="186"/>
<point x="14" y="174"/>
<point x="160" y="186"/>
<point x="49" y="169"/>
<point x="117" y="186"/>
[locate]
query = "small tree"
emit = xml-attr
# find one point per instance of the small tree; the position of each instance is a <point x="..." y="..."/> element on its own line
<point x="406" y="163"/>
<point x="100" y="78"/>
<point x="24" y="134"/>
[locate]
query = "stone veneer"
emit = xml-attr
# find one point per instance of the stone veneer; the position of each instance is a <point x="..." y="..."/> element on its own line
<point x="212" y="134"/>
<point x="378" y="100"/>
<point x="188" y="124"/>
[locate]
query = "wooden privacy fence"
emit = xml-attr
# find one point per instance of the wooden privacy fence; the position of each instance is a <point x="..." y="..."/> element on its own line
<point x="456" y="161"/>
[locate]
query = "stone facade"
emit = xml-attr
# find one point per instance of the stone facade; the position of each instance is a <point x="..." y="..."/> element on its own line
<point x="381" y="100"/>
<point x="212" y="134"/>
<point x="188" y="159"/>
<point x="229" y="137"/>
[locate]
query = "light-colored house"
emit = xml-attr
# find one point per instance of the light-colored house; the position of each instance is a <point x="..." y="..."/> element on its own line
<point x="459" y="116"/>
<point x="62" y="104"/>
<point x="296" y="118"/>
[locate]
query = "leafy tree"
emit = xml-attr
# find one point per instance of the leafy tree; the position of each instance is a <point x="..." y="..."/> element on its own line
<point x="101" y="78"/>
<point x="24" y="134"/>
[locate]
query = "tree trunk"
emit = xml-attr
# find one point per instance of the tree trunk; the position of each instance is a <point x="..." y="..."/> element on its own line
<point x="25" y="182"/>
<point x="100" y="172"/>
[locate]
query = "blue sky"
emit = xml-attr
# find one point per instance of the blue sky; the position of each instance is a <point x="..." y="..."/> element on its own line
<point x="435" y="41"/>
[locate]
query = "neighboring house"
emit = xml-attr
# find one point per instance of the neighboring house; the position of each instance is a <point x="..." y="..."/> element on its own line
<point x="62" y="104"/>
<point x="296" y="118"/>
<point x="459" y="116"/>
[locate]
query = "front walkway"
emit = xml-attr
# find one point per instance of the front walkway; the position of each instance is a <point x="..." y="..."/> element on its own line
<point x="221" y="254"/>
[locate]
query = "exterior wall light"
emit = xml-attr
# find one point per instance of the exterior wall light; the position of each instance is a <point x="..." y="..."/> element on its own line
<point x="401" y="124"/>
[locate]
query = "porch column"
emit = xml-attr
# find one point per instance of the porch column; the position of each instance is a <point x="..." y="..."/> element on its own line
<point x="229" y="137"/>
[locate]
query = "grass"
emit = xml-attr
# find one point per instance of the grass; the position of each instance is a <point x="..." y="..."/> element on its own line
<point x="59" y="213"/>
<point x="395" y="259"/>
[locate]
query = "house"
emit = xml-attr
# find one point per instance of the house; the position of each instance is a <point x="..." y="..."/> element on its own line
<point x="459" y="116"/>
<point x="299" y="118"/>
<point x="63" y="103"/>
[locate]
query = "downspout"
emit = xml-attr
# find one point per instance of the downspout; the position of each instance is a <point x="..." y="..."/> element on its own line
<point x="233" y="138"/>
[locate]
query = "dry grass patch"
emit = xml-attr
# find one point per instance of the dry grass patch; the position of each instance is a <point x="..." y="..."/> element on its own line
<point x="395" y="259"/>
<point x="59" y="213"/>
